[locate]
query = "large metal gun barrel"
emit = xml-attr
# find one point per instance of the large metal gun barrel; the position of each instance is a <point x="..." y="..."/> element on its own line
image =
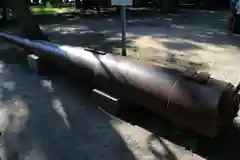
<point x="190" y="99"/>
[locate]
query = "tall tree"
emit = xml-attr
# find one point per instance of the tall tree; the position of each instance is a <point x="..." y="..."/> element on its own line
<point x="78" y="4"/>
<point x="169" y="5"/>
<point x="55" y="3"/>
<point x="26" y="20"/>
<point x="4" y="10"/>
<point x="44" y="2"/>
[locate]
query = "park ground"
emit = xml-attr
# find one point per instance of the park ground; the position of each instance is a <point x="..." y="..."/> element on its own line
<point x="54" y="118"/>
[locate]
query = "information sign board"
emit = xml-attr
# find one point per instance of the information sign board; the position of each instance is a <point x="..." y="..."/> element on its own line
<point x="122" y="2"/>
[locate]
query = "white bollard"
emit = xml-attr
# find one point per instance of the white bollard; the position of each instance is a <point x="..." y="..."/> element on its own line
<point x="33" y="62"/>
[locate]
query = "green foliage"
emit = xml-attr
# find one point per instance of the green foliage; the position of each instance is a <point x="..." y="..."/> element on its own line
<point x="45" y="10"/>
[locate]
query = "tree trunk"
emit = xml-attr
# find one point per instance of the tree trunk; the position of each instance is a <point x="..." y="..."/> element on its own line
<point x="210" y="4"/>
<point x="4" y="13"/>
<point x="78" y="4"/>
<point x="55" y="3"/>
<point x="36" y="2"/>
<point x="169" y="5"/>
<point x="118" y="10"/>
<point x="4" y="10"/>
<point x="26" y="20"/>
<point x="44" y="2"/>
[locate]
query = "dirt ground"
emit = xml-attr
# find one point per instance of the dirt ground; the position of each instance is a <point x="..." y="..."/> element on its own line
<point x="54" y="118"/>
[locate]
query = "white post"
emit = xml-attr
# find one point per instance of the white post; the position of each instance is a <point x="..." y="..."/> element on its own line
<point x="123" y="4"/>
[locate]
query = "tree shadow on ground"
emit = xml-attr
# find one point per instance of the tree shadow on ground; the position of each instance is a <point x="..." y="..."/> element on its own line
<point x="49" y="119"/>
<point x="200" y="28"/>
<point x="166" y="152"/>
<point x="224" y="146"/>
<point x="187" y="32"/>
<point x="227" y="142"/>
<point x="93" y="38"/>
<point x="203" y="27"/>
<point x="69" y="138"/>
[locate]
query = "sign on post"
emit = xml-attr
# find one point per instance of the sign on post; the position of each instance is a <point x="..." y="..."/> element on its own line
<point x="123" y="4"/>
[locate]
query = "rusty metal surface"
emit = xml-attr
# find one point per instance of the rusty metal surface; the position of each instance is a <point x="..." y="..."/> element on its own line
<point x="195" y="101"/>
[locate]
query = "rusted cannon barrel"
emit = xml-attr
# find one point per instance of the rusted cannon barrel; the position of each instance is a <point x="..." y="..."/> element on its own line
<point x="190" y="99"/>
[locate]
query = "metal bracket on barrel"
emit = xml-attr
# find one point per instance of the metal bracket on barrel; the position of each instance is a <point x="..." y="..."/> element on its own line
<point x="106" y="102"/>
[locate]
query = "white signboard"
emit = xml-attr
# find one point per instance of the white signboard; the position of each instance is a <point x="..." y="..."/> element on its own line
<point x="122" y="2"/>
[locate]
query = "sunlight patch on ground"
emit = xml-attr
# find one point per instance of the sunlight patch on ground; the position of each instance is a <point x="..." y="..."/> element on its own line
<point x="56" y="103"/>
<point x="57" y="106"/>
<point x="71" y="30"/>
<point x="196" y="51"/>
<point x="45" y="10"/>
<point x="14" y="115"/>
<point x="145" y="144"/>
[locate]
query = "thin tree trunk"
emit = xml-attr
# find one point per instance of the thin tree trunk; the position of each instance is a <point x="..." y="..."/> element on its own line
<point x="26" y="20"/>
<point x="78" y="4"/>
<point x="4" y="13"/>
<point x="44" y="2"/>
<point x="169" y="5"/>
<point x="4" y="10"/>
